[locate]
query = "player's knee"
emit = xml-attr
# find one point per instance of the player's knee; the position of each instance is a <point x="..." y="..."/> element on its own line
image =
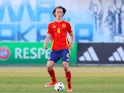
<point x="49" y="67"/>
<point x="66" y="69"/>
<point x="66" y="66"/>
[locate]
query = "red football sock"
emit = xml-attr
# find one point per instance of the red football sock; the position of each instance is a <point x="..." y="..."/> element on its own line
<point x="52" y="75"/>
<point x="68" y="79"/>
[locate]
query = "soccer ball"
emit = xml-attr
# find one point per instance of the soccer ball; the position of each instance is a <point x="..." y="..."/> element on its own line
<point x="59" y="86"/>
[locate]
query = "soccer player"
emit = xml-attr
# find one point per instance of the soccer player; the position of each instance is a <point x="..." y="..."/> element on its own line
<point x="58" y="30"/>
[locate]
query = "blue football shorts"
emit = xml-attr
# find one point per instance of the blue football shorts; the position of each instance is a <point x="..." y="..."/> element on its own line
<point x="60" y="54"/>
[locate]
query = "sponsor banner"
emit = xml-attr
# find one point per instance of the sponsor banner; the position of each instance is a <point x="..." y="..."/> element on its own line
<point x="100" y="53"/>
<point x="27" y="53"/>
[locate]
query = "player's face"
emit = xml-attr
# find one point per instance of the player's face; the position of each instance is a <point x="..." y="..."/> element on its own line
<point x="59" y="13"/>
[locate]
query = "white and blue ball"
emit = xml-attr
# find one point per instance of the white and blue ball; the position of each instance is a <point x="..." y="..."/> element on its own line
<point x="59" y="87"/>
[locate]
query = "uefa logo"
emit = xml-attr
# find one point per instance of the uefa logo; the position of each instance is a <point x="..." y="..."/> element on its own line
<point x="4" y="53"/>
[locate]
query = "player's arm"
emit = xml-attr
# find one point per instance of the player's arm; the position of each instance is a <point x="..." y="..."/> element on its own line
<point x="71" y="40"/>
<point x="46" y="41"/>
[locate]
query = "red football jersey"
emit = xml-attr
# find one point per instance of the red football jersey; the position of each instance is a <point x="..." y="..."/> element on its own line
<point x="59" y="30"/>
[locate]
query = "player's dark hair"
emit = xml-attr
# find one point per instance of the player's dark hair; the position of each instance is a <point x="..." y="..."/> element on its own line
<point x="64" y="10"/>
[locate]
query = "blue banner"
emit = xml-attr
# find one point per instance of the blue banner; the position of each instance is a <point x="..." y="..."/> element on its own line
<point x="91" y="20"/>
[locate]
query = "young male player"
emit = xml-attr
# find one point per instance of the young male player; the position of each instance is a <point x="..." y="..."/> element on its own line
<point x="58" y="30"/>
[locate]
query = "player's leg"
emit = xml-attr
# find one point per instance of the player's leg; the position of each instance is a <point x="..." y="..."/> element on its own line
<point x="65" y="59"/>
<point x="54" y="57"/>
<point x="68" y="75"/>
<point x="51" y="72"/>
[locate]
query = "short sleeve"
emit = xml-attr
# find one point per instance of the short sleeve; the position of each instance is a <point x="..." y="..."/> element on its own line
<point x="69" y="28"/>
<point x="49" y="29"/>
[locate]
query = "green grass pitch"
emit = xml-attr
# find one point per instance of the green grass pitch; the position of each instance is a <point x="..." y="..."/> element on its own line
<point x="84" y="79"/>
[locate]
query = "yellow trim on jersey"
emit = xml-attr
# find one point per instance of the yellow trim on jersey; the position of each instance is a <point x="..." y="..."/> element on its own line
<point x="52" y="43"/>
<point x="67" y="42"/>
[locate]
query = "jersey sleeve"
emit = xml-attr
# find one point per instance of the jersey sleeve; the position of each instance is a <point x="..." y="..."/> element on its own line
<point x="49" y="29"/>
<point x="69" y="28"/>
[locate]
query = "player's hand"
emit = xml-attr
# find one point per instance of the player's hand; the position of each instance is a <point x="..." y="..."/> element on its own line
<point x="70" y="46"/>
<point x="45" y="46"/>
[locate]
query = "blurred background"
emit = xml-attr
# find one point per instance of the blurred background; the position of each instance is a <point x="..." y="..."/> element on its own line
<point x="98" y="27"/>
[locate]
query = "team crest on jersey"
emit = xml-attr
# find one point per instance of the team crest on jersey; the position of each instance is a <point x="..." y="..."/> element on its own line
<point x="53" y="26"/>
<point x="63" y="25"/>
